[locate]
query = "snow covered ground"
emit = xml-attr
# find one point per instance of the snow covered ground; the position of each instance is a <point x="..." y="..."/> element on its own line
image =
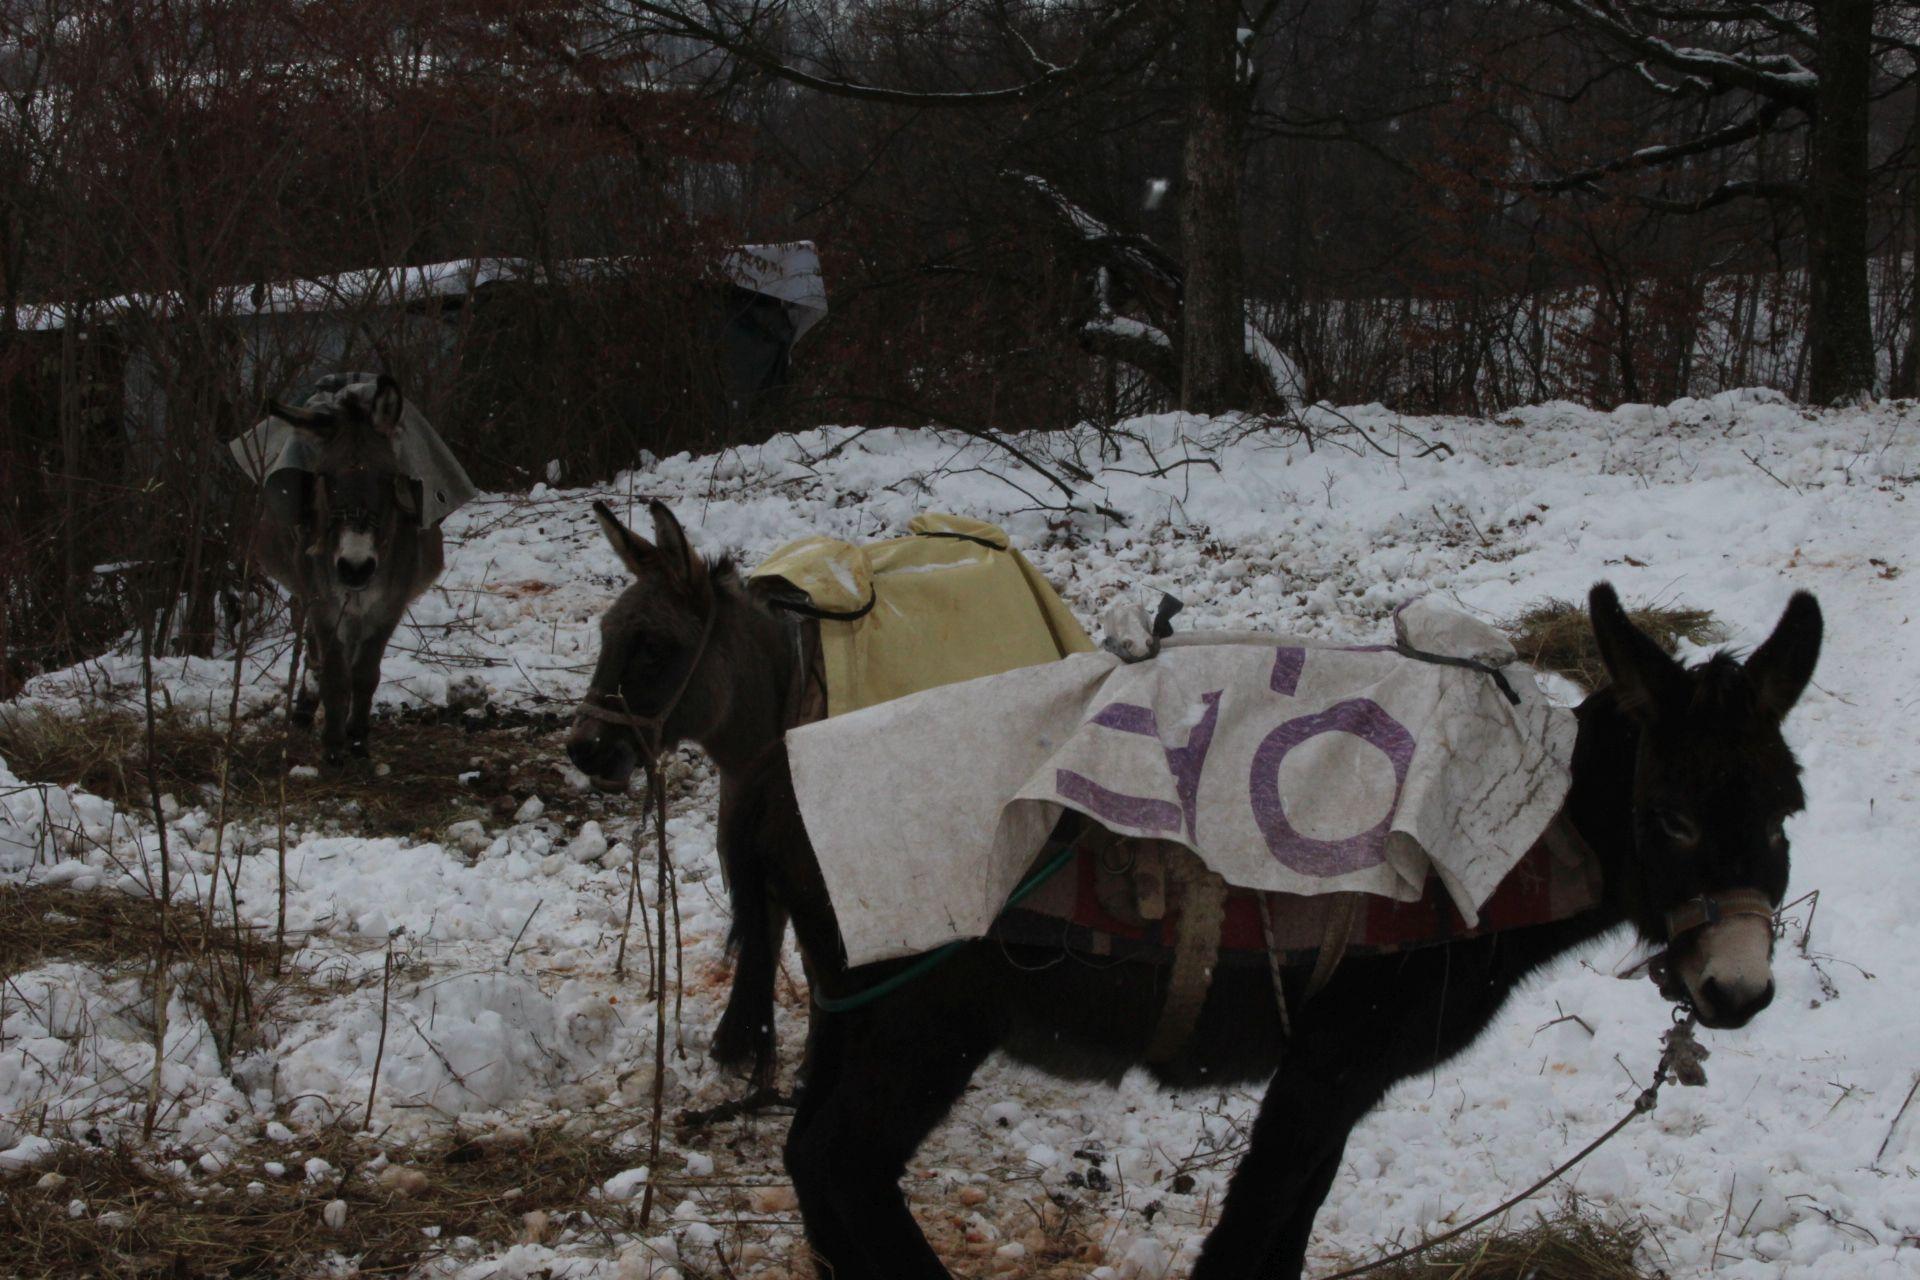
<point x="504" y="1011"/>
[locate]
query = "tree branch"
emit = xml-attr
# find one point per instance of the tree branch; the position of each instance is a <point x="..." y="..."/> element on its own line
<point x="678" y="21"/>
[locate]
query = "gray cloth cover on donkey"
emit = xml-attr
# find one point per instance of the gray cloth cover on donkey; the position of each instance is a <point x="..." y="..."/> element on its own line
<point x="1286" y="765"/>
<point x="275" y="454"/>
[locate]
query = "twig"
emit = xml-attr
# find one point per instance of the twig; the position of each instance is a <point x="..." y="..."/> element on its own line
<point x="297" y="616"/>
<point x="1763" y="468"/>
<point x="380" y="1050"/>
<point x="159" y="1036"/>
<point x="1896" y="1119"/>
<point x="657" y="783"/>
<point x="626" y="926"/>
<point x="523" y="929"/>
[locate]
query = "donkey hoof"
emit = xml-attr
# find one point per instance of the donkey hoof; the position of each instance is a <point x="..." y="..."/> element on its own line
<point x="301" y="718"/>
<point x="358" y="749"/>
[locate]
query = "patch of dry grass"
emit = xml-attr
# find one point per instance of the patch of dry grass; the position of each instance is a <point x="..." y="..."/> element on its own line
<point x="110" y="931"/>
<point x="1555" y="635"/>
<point x="139" y="1220"/>
<point x="1575" y="1243"/>
<point x="104" y="751"/>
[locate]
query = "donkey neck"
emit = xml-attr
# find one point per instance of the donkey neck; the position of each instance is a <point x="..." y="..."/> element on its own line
<point x="1600" y="800"/>
<point x="753" y="670"/>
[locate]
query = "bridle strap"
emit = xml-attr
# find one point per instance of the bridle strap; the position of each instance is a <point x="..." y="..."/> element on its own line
<point x="1712" y="908"/>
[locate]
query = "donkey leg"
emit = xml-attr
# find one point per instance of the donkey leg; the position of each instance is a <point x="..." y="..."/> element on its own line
<point x="1294" y="1154"/>
<point x="828" y="1235"/>
<point x="335" y="692"/>
<point x="1287" y="1253"/>
<point x="306" y="684"/>
<point x="901" y="1066"/>
<point x="366" y="679"/>
<point x="745" y="1033"/>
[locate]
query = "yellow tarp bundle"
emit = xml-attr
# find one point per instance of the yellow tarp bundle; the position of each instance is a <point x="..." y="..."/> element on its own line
<point x="950" y="601"/>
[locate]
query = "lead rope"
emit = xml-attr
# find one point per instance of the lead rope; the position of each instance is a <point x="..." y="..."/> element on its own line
<point x="1680" y="1056"/>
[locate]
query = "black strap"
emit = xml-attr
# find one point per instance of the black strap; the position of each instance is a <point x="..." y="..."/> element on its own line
<point x="806" y="610"/>
<point x="1163" y="616"/>
<point x="1499" y="677"/>
<point x="964" y="537"/>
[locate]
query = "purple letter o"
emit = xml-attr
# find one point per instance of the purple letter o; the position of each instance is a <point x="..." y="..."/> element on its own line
<point x="1365" y="719"/>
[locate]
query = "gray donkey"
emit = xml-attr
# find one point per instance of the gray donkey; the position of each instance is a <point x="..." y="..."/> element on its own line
<point x="350" y="544"/>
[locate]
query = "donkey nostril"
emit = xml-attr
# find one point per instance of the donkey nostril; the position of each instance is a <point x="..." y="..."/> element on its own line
<point x="1732" y="1008"/>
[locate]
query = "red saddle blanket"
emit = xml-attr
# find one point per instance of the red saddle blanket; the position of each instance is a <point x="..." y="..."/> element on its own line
<point x="1556" y="880"/>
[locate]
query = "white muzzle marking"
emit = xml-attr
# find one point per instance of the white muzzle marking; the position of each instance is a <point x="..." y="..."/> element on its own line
<point x="1730" y="966"/>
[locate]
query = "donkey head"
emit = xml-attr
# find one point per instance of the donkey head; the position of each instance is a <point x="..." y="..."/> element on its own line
<point x="643" y="698"/>
<point x="1713" y="785"/>
<point x="359" y="495"/>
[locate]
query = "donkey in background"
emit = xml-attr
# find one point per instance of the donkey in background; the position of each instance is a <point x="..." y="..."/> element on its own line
<point x="1682" y="783"/>
<point x="354" y="560"/>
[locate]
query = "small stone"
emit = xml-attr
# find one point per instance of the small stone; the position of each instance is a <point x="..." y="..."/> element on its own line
<point x="971" y="1196"/>
<point x="625" y="1185"/>
<point x="335" y="1214"/>
<point x="531" y="810"/>
<point x="470" y="836"/>
<point x="402" y="1181"/>
<point x="773" y="1200"/>
<point x="589" y="846"/>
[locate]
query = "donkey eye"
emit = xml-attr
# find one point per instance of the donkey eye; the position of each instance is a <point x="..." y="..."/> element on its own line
<point x="1677" y="827"/>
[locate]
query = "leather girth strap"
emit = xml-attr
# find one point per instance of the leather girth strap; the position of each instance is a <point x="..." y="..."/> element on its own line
<point x="1196" y="948"/>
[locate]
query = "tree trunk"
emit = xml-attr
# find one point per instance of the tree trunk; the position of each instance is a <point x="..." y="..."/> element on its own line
<point x="1841" y="362"/>
<point x="1213" y="306"/>
<point x="1907" y="380"/>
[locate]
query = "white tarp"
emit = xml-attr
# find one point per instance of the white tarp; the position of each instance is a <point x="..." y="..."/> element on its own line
<point x="1287" y="766"/>
<point x="274" y="453"/>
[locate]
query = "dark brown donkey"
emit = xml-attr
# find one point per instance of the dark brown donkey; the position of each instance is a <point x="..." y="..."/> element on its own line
<point x="688" y="653"/>
<point x="1682" y="783"/>
<point x="356" y="558"/>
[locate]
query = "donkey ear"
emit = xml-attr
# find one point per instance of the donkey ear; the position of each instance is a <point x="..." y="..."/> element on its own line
<point x="682" y="560"/>
<point x="635" y="552"/>
<point x="387" y="405"/>
<point x="1645" y="679"/>
<point x="320" y="420"/>
<point x="1781" y="667"/>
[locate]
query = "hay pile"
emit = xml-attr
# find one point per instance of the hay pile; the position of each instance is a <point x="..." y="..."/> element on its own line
<point x="1555" y="635"/>
<point x="1574" y="1243"/>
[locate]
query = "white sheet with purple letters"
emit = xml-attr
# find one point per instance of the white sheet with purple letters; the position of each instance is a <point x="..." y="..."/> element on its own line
<point x="1287" y="766"/>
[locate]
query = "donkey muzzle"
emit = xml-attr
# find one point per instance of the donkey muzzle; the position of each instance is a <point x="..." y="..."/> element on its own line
<point x="608" y="759"/>
<point x="355" y="560"/>
<point x="1727" y="969"/>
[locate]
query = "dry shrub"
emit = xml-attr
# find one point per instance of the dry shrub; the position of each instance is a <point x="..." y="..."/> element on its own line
<point x="1556" y="635"/>
<point x="1575" y="1243"/>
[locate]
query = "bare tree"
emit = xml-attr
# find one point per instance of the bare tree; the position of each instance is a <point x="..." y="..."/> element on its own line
<point x="1818" y="61"/>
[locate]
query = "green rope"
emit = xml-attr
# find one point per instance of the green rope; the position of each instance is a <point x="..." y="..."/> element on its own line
<point x="925" y="964"/>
